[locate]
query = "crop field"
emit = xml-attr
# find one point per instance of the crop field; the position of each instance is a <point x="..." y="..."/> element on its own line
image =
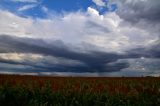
<point x="18" y="90"/>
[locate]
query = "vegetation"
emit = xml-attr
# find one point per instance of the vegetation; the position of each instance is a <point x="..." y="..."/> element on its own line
<point x="75" y="91"/>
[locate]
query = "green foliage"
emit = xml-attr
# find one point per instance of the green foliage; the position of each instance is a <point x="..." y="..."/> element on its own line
<point x="80" y="92"/>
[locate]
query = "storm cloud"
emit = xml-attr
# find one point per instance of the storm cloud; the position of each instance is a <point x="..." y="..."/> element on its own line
<point x="137" y="10"/>
<point x="44" y="57"/>
<point x="94" y="61"/>
<point x="91" y="42"/>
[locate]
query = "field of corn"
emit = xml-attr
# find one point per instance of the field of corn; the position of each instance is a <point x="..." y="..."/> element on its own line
<point x="78" y="91"/>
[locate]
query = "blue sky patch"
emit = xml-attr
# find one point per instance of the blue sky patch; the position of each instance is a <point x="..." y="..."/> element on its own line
<point x="34" y="9"/>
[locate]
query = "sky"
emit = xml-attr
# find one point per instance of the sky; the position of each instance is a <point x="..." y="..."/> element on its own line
<point x="80" y="37"/>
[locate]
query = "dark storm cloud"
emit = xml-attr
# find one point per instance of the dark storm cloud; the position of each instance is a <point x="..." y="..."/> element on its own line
<point x="137" y="10"/>
<point x="95" y="61"/>
<point x="150" y="52"/>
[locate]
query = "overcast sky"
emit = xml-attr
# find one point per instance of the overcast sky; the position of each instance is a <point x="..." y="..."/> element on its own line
<point x="80" y="37"/>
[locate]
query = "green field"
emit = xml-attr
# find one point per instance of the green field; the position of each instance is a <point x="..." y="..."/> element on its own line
<point x="78" y="91"/>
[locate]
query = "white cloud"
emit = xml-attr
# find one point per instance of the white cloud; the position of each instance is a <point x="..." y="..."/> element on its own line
<point x="27" y="7"/>
<point x="18" y="73"/>
<point x="38" y="60"/>
<point x="99" y="2"/>
<point x="14" y="25"/>
<point x="44" y="9"/>
<point x="94" y="13"/>
<point x="107" y="32"/>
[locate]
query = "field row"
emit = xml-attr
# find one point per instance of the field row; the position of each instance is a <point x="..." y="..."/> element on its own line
<point x="66" y="91"/>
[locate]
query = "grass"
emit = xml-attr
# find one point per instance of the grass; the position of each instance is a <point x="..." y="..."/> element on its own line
<point x="77" y="91"/>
